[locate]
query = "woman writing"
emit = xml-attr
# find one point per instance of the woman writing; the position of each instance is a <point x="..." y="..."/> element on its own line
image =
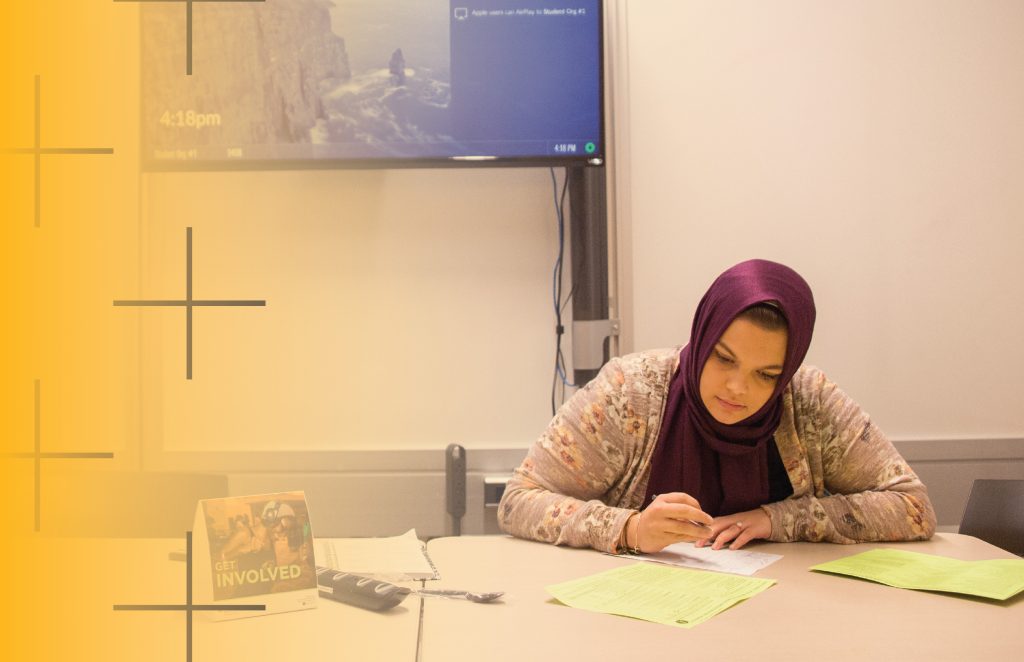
<point x="729" y="440"/>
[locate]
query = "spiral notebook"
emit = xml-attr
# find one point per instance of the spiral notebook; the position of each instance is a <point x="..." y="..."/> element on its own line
<point x="397" y="558"/>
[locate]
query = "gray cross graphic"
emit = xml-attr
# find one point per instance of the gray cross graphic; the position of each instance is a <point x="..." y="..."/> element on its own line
<point x="38" y="455"/>
<point x="189" y="303"/>
<point x="38" y="151"/>
<point x="188" y="607"/>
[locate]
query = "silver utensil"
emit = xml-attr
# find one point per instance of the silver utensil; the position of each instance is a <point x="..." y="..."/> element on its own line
<point x="468" y="595"/>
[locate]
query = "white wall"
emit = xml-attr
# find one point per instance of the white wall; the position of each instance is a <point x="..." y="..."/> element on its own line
<point x="405" y="309"/>
<point x="875" y="146"/>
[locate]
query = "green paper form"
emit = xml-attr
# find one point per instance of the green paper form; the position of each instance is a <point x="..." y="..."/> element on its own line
<point x="997" y="579"/>
<point x="662" y="594"/>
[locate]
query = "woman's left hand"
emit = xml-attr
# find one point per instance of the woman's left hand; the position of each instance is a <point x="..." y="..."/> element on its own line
<point x="738" y="529"/>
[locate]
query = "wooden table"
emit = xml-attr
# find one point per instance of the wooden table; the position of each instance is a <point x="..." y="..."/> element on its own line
<point x="806" y="615"/>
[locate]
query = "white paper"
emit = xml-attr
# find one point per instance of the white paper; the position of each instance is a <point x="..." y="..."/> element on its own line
<point x="393" y="559"/>
<point x="735" y="561"/>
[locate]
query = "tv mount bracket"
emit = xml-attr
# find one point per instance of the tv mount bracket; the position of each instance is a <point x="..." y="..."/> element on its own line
<point x="588" y="338"/>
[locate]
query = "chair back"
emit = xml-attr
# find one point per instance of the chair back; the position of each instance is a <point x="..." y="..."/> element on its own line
<point x="995" y="513"/>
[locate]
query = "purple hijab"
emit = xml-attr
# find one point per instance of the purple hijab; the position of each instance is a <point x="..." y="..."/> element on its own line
<point x="725" y="467"/>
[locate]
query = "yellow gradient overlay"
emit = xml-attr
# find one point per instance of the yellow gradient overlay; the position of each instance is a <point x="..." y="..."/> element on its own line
<point x="65" y="260"/>
<point x="75" y="239"/>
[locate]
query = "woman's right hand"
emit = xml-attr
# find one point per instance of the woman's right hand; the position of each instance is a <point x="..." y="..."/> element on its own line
<point x="670" y="518"/>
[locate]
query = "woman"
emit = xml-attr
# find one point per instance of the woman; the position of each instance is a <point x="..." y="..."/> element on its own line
<point x="726" y="441"/>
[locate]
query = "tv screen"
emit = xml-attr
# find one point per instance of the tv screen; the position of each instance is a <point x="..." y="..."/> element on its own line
<point x="365" y="83"/>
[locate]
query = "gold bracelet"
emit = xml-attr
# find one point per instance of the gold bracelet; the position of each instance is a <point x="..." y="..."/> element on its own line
<point x="636" y="548"/>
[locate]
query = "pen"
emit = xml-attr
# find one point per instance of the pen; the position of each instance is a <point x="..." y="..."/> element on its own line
<point x="699" y="525"/>
<point x="694" y="522"/>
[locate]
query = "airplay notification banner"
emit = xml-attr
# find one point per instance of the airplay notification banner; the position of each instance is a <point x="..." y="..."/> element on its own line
<point x="505" y="54"/>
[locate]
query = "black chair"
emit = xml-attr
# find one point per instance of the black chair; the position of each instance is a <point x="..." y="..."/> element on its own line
<point x="995" y="513"/>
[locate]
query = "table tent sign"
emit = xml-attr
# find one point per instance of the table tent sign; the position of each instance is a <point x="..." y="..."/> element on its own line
<point x="254" y="549"/>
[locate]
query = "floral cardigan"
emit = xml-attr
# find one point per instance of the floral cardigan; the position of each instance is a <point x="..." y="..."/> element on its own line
<point x="588" y="472"/>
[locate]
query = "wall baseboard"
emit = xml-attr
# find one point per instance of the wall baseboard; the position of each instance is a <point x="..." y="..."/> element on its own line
<point x="378" y="498"/>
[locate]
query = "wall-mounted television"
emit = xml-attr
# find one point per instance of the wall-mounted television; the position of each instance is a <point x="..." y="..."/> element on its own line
<point x="372" y="83"/>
